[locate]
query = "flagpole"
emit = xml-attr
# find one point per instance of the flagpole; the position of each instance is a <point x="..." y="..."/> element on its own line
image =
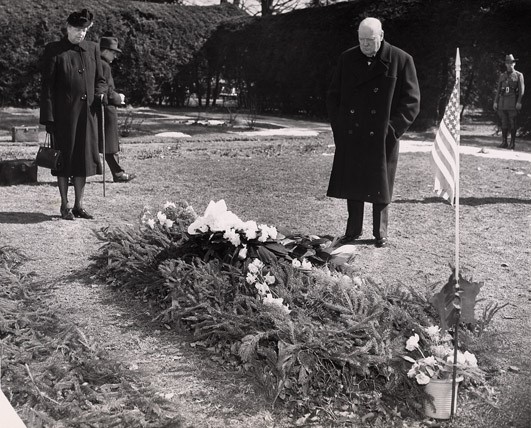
<point x="456" y="279"/>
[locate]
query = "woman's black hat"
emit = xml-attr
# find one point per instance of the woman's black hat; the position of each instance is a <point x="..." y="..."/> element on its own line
<point x="81" y="19"/>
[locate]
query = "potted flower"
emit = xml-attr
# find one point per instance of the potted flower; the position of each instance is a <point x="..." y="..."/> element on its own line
<point x="432" y="357"/>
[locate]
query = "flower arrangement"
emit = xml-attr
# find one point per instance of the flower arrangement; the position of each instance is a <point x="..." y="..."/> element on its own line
<point x="435" y="356"/>
<point x="217" y="218"/>
<point x="257" y="276"/>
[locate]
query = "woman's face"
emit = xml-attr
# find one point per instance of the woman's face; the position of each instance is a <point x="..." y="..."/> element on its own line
<point x="75" y="34"/>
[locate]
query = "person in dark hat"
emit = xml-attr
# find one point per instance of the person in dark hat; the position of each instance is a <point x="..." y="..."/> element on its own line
<point x="508" y="100"/>
<point x="72" y="84"/>
<point x="109" y="50"/>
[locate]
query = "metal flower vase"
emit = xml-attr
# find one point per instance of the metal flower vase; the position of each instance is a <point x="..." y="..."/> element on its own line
<point x="441" y="392"/>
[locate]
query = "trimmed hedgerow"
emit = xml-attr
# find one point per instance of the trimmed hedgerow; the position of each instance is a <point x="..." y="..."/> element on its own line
<point x="157" y="41"/>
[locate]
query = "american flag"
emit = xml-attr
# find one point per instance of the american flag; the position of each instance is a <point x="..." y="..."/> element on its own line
<point x="445" y="152"/>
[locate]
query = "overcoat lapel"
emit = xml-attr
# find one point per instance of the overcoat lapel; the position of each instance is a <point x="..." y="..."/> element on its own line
<point x="380" y="66"/>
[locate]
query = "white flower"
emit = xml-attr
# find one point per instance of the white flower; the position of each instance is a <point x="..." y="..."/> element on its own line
<point x="267" y="232"/>
<point x="429" y="361"/>
<point x="255" y="266"/>
<point x="161" y="217"/>
<point x="168" y="223"/>
<point x="470" y="359"/>
<point x="306" y="265"/>
<point x="422" y="379"/>
<point x="269" y="279"/>
<point x="440" y="351"/>
<point x="198" y="226"/>
<point x="219" y="218"/>
<point x="233" y="237"/>
<point x="262" y="288"/>
<point x="413" y="370"/>
<point x="296" y="263"/>
<point x="250" y="229"/>
<point x="277" y="302"/>
<point x="151" y="223"/>
<point x="413" y="342"/>
<point x="433" y="332"/>
<point x="251" y="279"/>
<point x="242" y="254"/>
<point x="169" y="204"/>
<point x="216" y="218"/>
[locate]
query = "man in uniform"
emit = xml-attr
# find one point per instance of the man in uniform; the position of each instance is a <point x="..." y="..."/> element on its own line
<point x="508" y="100"/>
<point x="372" y="100"/>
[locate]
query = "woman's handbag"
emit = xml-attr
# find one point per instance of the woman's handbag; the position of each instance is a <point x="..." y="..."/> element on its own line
<point x="48" y="157"/>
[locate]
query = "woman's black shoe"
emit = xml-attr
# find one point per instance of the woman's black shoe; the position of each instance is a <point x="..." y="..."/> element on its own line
<point x="82" y="213"/>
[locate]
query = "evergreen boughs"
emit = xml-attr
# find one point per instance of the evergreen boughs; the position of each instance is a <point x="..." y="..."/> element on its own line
<point x="339" y="342"/>
<point x="53" y="374"/>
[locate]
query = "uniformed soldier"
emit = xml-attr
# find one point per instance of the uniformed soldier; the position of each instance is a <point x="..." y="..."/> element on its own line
<point x="508" y="100"/>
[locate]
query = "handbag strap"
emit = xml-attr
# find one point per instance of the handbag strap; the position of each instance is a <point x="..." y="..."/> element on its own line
<point x="49" y="141"/>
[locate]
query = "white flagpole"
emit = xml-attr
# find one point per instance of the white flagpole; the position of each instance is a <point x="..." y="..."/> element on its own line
<point x="458" y="137"/>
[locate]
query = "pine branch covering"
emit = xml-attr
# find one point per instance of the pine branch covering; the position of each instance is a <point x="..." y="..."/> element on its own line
<point x="340" y="342"/>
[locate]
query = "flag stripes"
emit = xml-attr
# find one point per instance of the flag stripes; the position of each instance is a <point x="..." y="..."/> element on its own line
<point x="445" y="152"/>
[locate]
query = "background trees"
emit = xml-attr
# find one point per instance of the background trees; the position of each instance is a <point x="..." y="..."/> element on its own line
<point x="277" y="63"/>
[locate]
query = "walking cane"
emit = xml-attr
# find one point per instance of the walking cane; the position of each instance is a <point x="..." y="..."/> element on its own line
<point x="103" y="139"/>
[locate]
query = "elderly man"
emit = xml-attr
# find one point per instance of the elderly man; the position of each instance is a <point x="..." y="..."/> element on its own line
<point x="372" y="100"/>
<point x="508" y="100"/>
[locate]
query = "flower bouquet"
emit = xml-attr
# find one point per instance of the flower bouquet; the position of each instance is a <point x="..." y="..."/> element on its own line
<point x="433" y="368"/>
<point x="435" y="355"/>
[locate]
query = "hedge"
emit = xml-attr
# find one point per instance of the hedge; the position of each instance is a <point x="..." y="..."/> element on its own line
<point x="284" y="63"/>
<point x="157" y="41"/>
<point x="280" y="63"/>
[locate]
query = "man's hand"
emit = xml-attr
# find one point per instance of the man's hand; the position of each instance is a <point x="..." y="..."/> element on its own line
<point x="518" y="106"/>
<point x="495" y="106"/>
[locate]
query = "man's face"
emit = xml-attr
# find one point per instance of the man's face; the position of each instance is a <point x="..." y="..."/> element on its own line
<point x="509" y="65"/>
<point x="75" y="34"/>
<point x="109" y="55"/>
<point x="370" y="39"/>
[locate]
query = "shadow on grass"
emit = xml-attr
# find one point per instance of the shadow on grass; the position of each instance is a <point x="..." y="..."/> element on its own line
<point x="23" y="218"/>
<point x="466" y="201"/>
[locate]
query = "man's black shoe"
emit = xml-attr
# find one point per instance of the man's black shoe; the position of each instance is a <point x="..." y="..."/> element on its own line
<point x="381" y="243"/>
<point x="348" y="239"/>
<point x="124" y="177"/>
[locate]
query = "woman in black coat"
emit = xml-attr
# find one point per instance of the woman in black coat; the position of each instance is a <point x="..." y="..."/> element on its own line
<point x="72" y="83"/>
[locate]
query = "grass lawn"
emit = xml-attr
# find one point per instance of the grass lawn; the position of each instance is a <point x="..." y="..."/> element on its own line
<point x="282" y="181"/>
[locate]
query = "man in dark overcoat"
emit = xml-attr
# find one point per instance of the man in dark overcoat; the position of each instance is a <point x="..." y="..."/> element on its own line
<point x="109" y="50"/>
<point x="372" y="100"/>
<point x="72" y="83"/>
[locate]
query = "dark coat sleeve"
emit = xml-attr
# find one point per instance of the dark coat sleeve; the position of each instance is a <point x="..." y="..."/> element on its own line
<point x="333" y="95"/>
<point x="100" y="83"/>
<point x="47" y="85"/>
<point x="407" y="99"/>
